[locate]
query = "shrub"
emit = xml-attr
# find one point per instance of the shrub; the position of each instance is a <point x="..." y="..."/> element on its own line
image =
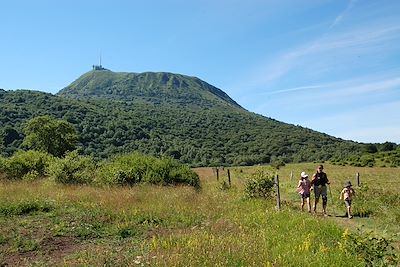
<point x="135" y="168"/>
<point x="259" y="185"/>
<point x="123" y="170"/>
<point x="182" y="174"/>
<point x="25" y="207"/>
<point x="277" y="163"/>
<point x="158" y="170"/>
<point x="373" y="250"/>
<point x="26" y="164"/>
<point x="367" y="160"/>
<point x="73" y="169"/>
<point x="31" y="176"/>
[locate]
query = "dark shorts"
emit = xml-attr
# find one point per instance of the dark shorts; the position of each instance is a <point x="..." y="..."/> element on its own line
<point x="320" y="191"/>
<point x="305" y="195"/>
<point x="347" y="202"/>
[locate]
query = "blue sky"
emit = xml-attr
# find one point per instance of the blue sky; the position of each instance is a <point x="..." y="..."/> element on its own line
<point x="329" y="65"/>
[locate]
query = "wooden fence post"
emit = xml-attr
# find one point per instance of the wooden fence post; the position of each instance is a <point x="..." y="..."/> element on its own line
<point x="358" y="178"/>
<point x="229" y="178"/>
<point x="278" y="195"/>
<point x="217" y="174"/>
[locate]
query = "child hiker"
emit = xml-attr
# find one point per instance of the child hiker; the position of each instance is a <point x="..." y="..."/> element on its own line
<point x="346" y="195"/>
<point x="303" y="187"/>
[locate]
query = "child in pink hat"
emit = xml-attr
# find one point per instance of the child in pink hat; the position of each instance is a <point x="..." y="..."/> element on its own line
<point x="303" y="188"/>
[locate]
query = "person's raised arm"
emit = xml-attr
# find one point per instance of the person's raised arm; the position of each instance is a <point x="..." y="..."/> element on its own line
<point x="313" y="180"/>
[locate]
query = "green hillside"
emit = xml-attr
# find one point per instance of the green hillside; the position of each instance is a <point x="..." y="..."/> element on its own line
<point x="164" y="113"/>
<point x="154" y="87"/>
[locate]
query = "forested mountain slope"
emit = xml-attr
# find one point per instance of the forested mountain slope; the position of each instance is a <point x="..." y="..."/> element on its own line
<point x="164" y="113"/>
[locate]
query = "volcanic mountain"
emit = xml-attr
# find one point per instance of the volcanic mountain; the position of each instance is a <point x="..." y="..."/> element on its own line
<point x="162" y="113"/>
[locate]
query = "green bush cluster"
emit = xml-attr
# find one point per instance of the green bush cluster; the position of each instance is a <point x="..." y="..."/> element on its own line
<point x="259" y="185"/>
<point x="25" y="165"/>
<point x="135" y="168"/>
<point x="383" y="158"/>
<point x="72" y="169"/>
<point x="371" y="249"/>
<point x="126" y="169"/>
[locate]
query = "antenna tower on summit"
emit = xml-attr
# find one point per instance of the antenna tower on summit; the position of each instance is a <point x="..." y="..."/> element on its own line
<point x="98" y="67"/>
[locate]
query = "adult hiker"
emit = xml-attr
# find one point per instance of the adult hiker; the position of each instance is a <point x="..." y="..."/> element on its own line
<point x="319" y="181"/>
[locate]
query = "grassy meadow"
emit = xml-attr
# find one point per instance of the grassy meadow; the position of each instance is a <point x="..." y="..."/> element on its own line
<point x="48" y="224"/>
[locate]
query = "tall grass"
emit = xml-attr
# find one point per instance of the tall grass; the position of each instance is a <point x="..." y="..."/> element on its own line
<point x="156" y="225"/>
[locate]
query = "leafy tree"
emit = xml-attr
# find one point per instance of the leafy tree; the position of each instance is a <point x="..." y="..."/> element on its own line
<point x="387" y="146"/>
<point x="50" y="135"/>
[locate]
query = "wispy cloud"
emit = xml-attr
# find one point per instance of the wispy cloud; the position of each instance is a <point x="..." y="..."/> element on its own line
<point x="361" y="89"/>
<point x="342" y="14"/>
<point x="294" y="89"/>
<point x="357" y="38"/>
<point x="356" y="86"/>
<point x="359" y="41"/>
